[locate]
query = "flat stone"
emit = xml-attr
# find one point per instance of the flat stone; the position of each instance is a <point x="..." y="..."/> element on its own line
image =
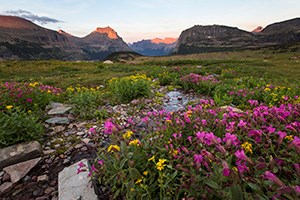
<point x="59" y="110"/>
<point x="77" y="146"/>
<point x="86" y="140"/>
<point x="228" y="108"/>
<point x="73" y="186"/>
<point x="48" y="152"/>
<point x="58" y="129"/>
<point x="19" y="153"/>
<point x="5" y="187"/>
<point x="49" y="190"/>
<point x="19" y="170"/>
<point x="58" y="120"/>
<point x="80" y="133"/>
<point x="108" y="62"/>
<point x="42" y="178"/>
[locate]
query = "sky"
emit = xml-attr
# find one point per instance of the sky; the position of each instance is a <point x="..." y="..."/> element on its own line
<point x="135" y="20"/>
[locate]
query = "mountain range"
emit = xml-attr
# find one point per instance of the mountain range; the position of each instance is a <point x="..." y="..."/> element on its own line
<point x="154" y="47"/>
<point x="22" y="39"/>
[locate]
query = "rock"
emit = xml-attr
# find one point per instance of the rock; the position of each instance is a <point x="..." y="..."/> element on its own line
<point x="77" y="146"/>
<point x="58" y="120"/>
<point x="19" y="153"/>
<point x="55" y="105"/>
<point x="84" y="149"/>
<point x="53" y="183"/>
<point x="86" y="140"/>
<point x="59" y="110"/>
<point x="54" y="198"/>
<point x="228" y="108"/>
<point x="5" y="187"/>
<point x="6" y="177"/>
<point x="49" y="190"/>
<point x="58" y="129"/>
<point x="135" y="102"/>
<point x="80" y="133"/>
<point x="73" y="186"/>
<point x="48" y="152"/>
<point x="108" y="62"/>
<point x="42" y="178"/>
<point x="19" y="170"/>
<point x="38" y="192"/>
<point x="42" y="198"/>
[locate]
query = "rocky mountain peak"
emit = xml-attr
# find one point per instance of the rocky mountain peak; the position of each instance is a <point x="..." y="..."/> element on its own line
<point x="13" y="22"/>
<point x="257" y="29"/>
<point x="111" y="33"/>
<point x="64" y="32"/>
<point x="164" y="41"/>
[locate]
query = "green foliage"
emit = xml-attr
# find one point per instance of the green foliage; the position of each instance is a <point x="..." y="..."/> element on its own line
<point x="128" y="88"/>
<point x="17" y="125"/>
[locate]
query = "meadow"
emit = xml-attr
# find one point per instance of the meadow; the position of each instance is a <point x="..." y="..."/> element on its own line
<point x="247" y="151"/>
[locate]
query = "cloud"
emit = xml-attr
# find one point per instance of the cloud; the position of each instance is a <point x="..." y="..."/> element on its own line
<point x="32" y="17"/>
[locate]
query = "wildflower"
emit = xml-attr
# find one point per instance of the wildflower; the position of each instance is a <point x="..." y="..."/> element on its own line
<point x="289" y="137"/>
<point x="296" y="144"/>
<point x="81" y="167"/>
<point x="247" y="146"/>
<point x="160" y="164"/>
<point x="145" y="173"/>
<point x="198" y="158"/>
<point x="100" y="162"/>
<point x="29" y="100"/>
<point x="152" y="158"/>
<point x="132" y="189"/>
<point x="267" y="89"/>
<point x="127" y="135"/>
<point x="226" y="170"/>
<point x="240" y="154"/>
<point x="189" y="113"/>
<point x="109" y="127"/>
<point x="138" y="181"/>
<point x="273" y="178"/>
<point x="135" y="142"/>
<point x="113" y="148"/>
<point x="281" y="136"/>
<point x="93" y="169"/>
<point x="92" y="130"/>
<point x="231" y="139"/>
<point x="9" y="107"/>
<point x="242" y="124"/>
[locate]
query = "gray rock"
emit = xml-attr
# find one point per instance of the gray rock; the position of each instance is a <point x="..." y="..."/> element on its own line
<point x="58" y="129"/>
<point x="58" y="120"/>
<point x="19" y="153"/>
<point x="108" y="62"/>
<point x="5" y="187"/>
<point x="6" y="177"/>
<point x="42" y="178"/>
<point x="86" y="140"/>
<point x="48" y="152"/>
<point x="77" y="146"/>
<point x="72" y="185"/>
<point x="80" y="133"/>
<point x="59" y="110"/>
<point x="55" y="105"/>
<point x="19" y="170"/>
<point x="49" y="190"/>
<point x="42" y="198"/>
<point x="228" y="108"/>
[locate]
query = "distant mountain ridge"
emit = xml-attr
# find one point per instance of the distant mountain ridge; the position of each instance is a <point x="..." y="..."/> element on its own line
<point x="216" y="38"/>
<point x="154" y="47"/>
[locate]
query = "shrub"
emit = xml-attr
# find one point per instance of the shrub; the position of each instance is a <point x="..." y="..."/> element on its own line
<point x="128" y="88"/>
<point x="17" y="125"/>
<point x="204" y="153"/>
<point x="199" y="83"/>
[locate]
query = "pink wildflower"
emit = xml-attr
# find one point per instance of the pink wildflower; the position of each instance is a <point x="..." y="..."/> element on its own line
<point x="272" y="177"/>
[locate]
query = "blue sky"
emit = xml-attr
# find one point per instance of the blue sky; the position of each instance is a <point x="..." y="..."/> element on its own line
<point x="143" y="19"/>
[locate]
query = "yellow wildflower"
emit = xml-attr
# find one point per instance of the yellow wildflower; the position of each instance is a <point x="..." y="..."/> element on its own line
<point x="152" y="158"/>
<point x="289" y="137"/>
<point x="145" y="173"/>
<point x="113" y="148"/>
<point x="235" y="169"/>
<point x="127" y="135"/>
<point x="135" y="142"/>
<point x="132" y="189"/>
<point x="189" y="113"/>
<point x="267" y="89"/>
<point x="138" y="181"/>
<point x="168" y="121"/>
<point x="9" y="107"/>
<point x="247" y="147"/>
<point x="174" y="152"/>
<point x="160" y="164"/>
<point x="49" y="91"/>
<point x="29" y="111"/>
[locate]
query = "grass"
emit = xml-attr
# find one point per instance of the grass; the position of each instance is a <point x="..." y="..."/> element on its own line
<point x="264" y="64"/>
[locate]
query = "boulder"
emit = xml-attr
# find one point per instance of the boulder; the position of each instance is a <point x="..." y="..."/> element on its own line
<point x="59" y="110"/>
<point x="58" y="120"/>
<point x="75" y="186"/>
<point x="108" y="62"/>
<point x="18" y="171"/>
<point x="19" y="153"/>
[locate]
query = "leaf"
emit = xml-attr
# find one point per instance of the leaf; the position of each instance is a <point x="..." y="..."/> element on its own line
<point x="212" y="184"/>
<point x="134" y="173"/>
<point x="236" y="193"/>
<point x="253" y="186"/>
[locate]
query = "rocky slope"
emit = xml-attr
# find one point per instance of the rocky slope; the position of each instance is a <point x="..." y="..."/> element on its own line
<point x="100" y="43"/>
<point x="22" y="39"/>
<point x="154" y="47"/>
<point x="223" y="38"/>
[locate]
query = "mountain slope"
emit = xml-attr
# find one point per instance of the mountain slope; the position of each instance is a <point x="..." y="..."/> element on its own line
<point x="22" y="39"/>
<point x="154" y="47"/>
<point x="99" y="44"/>
<point x="213" y="38"/>
<point x="223" y="38"/>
